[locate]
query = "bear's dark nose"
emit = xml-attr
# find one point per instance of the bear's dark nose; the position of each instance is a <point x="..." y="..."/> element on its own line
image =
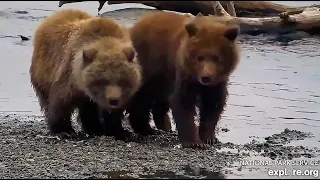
<point x="113" y="101"/>
<point x="205" y="80"/>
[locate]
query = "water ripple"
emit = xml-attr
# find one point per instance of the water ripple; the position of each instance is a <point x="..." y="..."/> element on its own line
<point x="304" y="124"/>
<point x="287" y="99"/>
<point x="308" y="112"/>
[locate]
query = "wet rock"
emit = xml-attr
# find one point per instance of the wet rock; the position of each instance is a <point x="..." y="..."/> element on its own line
<point x="275" y="146"/>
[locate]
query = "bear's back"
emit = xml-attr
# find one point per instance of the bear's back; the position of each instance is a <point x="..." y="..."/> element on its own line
<point x="156" y="37"/>
<point x="157" y="29"/>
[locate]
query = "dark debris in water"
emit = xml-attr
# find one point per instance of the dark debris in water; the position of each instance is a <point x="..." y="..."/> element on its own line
<point x="24" y="38"/>
<point x="225" y="129"/>
<point x="28" y="151"/>
<point x="21" y="12"/>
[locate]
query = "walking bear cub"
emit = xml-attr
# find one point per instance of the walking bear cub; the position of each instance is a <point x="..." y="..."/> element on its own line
<point x="188" y="59"/>
<point x="86" y="63"/>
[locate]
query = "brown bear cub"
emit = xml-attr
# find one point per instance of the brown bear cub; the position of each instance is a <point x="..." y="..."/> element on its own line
<point x="86" y="63"/>
<point x="188" y="59"/>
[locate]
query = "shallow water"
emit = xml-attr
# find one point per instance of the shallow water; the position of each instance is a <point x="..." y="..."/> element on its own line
<point x="296" y="3"/>
<point x="276" y="85"/>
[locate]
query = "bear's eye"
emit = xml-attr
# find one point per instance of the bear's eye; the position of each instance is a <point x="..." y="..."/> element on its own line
<point x="95" y="90"/>
<point x="200" y="58"/>
<point x="215" y="58"/>
<point x="124" y="83"/>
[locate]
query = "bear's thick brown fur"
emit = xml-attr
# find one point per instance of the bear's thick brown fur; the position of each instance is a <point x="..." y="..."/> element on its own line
<point x="191" y="59"/>
<point x="86" y="63"/>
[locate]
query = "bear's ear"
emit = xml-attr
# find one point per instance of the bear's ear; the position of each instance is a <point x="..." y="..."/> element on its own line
<point x="88" y="56"/>
<point x="191" y="29"/>
<point x="130" y="53"/>
<point x="199" y="14"/>
<point x="232" y="33"/>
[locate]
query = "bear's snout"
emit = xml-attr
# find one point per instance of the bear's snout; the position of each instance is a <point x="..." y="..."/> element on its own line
<point x="205" y="80"/>
<point x="113" y="102"/>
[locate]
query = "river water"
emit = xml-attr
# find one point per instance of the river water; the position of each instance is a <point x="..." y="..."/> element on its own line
<point x="276" y="85"/>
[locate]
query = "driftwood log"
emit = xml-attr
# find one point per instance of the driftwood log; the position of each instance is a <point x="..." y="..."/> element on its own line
<point x="280" y="19"/>
<point x="307" y="20"/>
<point x="243" y="8"/>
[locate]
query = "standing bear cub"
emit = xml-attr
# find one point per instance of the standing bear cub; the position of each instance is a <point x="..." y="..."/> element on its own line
<point x="86" y="63"/>
<point x="188" y="59"/>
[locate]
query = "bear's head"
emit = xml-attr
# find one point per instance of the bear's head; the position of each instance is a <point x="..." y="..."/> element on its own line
<point x="211" y="51"/>
<point x="109" y="73"/>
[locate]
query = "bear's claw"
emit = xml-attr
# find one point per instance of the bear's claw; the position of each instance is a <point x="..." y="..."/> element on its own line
<point x="194" y="145"/>
<point x="69" y="135"/>
<point x="124" y="135"/>
<point x="211" y="141"/>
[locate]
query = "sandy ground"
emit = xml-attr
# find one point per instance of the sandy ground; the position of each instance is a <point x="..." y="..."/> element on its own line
<point x="272" y="114"/>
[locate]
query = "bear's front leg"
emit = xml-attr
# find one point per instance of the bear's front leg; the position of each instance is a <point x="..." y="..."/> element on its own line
<point x="89" y="118"/>
<point x="183" y="103"/>
<point x="212" y="103"/>
<point x="113" y="126"/>
<point x="59" y="118"/>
